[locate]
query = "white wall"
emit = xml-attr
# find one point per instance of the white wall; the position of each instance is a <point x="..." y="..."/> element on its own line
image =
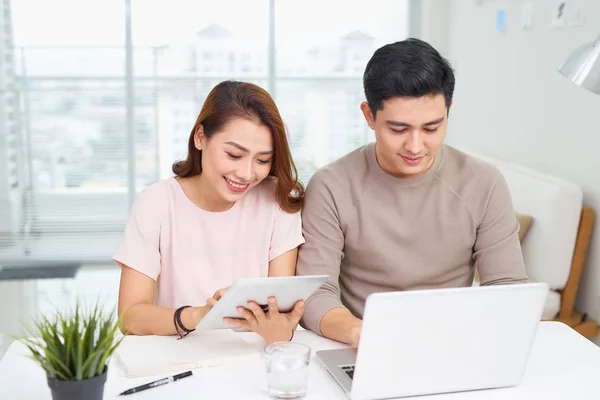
<point x="512" y="104"/>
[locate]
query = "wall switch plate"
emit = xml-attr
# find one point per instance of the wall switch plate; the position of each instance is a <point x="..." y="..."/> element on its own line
<point x="567" y="13"/>
<point x="527" y="15"/>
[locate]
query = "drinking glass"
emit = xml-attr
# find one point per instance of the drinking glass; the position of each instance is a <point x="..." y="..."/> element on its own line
<point x="287" y="369"/>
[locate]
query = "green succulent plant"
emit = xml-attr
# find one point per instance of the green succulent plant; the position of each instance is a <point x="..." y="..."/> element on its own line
<point x="74" y="345"/>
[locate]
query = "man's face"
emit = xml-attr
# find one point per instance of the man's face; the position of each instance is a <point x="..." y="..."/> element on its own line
<point x="409" y="132"/>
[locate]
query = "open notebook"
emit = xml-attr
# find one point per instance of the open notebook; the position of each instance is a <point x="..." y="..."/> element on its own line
<point x="151" y="355"/>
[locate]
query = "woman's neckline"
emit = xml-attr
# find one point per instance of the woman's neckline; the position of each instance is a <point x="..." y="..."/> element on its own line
<point x="180" y="189"/>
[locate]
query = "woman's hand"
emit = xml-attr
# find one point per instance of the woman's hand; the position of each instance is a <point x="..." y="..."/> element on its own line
<point x="219" y="293"/>
<point x="273" y="326"/>
<point x="197" y="313"/>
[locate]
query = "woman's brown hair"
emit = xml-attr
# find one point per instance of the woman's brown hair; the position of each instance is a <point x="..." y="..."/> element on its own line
<point x="230" y="99"/>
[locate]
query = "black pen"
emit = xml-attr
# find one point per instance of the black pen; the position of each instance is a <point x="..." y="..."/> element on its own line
<point x="159" y="382"/>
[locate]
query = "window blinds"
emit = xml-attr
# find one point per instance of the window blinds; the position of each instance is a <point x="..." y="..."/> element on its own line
<point x="65" y="182"/>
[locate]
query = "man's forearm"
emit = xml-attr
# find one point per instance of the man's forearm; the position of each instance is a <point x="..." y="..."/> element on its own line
<point x="339" y="324"/>
<point x="320" y="303"/>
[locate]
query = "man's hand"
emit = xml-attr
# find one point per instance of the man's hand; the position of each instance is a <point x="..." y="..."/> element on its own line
<point x="349" y="330"/>
<point x="273" y="326"/>
<point x="339" y="324"/>
<point x="354" y="333"/>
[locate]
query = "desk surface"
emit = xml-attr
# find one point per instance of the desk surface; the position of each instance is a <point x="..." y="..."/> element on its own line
<point x="563" y="365"/>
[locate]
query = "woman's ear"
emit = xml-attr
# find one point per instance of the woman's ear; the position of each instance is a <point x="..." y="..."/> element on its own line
<point x="199" y="138"/>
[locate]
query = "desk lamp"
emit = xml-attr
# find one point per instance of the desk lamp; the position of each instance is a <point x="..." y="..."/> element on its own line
<point x="582" y="66"/>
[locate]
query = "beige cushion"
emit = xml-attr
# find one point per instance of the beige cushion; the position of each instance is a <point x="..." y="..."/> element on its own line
<point x="524" y="224"/>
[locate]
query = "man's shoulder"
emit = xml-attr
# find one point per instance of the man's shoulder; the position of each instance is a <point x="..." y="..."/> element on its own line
<point x="344" y="170"/>
<point x="340" y="184"/>
<point x="471" y="178"/>
<point x="460" y="169"/>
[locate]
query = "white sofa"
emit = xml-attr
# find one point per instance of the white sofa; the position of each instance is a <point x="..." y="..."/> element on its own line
<point x="555" y="245"/>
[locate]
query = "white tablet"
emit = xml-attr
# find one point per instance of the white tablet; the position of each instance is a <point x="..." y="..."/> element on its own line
<point x="286" y="289"/>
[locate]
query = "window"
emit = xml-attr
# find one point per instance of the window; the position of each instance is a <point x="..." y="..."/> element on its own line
<point x="70" y="113"/>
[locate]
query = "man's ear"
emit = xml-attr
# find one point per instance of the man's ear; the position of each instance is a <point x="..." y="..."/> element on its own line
<point x="448" y="110"/>
<point x="366" y="110"/>
<point x="199" y="138"/>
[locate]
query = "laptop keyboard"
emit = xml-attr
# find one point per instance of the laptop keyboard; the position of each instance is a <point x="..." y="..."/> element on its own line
<point x="349" y="370"/>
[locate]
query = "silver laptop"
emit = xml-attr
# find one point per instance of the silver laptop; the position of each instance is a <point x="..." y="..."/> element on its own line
<point x="440" y="341"/>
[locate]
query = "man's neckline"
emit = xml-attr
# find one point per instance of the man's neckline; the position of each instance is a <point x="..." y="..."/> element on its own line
<point x="376" y="169"/>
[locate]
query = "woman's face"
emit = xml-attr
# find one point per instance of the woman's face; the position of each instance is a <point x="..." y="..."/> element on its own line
<point x="236" y="158"/>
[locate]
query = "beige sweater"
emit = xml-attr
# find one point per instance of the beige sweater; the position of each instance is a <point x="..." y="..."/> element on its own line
<point x="372" y="232"/>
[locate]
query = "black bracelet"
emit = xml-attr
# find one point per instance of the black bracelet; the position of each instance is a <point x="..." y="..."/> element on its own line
<point x="179" y="324"/>
<point x="175" y="323"/>
<point x="179" y="320"/>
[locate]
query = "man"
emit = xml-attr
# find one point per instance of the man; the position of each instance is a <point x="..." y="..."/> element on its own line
<point x="406" y="212"/>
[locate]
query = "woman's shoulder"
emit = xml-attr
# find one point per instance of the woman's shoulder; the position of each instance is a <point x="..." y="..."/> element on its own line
<point x="156" y="194"/>
<point x="159" y="188"/>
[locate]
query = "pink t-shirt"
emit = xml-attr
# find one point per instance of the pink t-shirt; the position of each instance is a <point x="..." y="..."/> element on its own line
<point x="191" y="252"/>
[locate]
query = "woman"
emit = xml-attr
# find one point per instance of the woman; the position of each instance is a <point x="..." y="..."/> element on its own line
<point x="231" y="211"/>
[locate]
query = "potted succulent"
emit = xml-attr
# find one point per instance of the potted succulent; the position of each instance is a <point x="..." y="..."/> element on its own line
<point x="74" y="348"/>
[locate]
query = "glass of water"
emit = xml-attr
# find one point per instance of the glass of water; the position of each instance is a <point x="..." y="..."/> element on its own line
<point x="287" y="369"/>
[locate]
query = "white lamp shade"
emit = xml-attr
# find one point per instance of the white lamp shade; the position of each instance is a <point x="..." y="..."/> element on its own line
<point x="583" y="66"/>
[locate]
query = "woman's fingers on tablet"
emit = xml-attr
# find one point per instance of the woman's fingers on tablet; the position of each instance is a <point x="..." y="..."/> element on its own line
<point x="247" y="315"/>
<point x="211" y="302"/>
<point x="297" y="312"/>
<point x="241" y="323"/>
<point x="219" y="293"/>
<point x="259" y="314"/>
<point x="273" y="309"/>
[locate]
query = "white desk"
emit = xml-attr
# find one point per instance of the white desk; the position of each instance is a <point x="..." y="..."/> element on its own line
<point x="563" y="365"/>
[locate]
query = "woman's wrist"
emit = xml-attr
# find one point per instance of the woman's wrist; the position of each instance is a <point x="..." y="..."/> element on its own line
<point x="284" y="336"/>
<point x="191" y="316"/>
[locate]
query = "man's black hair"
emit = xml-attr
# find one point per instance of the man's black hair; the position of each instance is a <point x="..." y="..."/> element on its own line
<point x="409" y="68"/>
